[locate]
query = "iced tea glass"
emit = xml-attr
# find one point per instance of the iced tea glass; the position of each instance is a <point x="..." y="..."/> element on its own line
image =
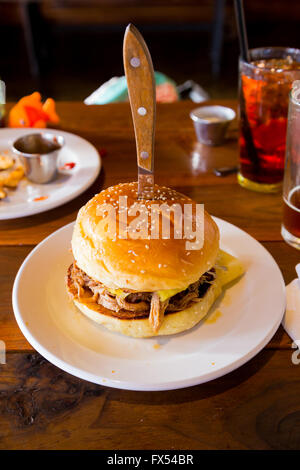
<point x="2" y="103"/>
<point x="264" y="89"/>
<point x="290" y="228"/>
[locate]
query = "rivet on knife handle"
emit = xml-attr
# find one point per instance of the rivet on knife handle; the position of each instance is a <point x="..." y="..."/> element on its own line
<point x="141" y="91"/>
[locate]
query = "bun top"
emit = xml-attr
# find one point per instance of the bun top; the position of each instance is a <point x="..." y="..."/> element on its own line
<point x="140" y="254"/>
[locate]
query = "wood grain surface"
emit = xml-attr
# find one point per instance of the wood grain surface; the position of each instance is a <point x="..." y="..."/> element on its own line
<point x="254" y="407"/>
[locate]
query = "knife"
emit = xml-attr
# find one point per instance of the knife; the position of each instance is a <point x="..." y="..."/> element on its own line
<point x="141" y="91"/>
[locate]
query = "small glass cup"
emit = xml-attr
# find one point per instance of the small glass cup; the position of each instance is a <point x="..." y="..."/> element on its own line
<point x="290" y="229"/>
<point x="265" y="84"/>
<point x="2" y="103"/>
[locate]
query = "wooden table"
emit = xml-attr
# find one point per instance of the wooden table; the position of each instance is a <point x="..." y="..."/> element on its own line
<point x="254" y="407"/>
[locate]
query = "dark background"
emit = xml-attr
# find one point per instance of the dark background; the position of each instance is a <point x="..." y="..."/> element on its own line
<point x="67" y="48"/>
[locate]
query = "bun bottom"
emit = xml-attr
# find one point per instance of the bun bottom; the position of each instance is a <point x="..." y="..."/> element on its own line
<point x="173" y="322"/>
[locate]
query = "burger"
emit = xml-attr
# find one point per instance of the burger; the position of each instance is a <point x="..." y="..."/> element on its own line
<point x="134" y="276"/>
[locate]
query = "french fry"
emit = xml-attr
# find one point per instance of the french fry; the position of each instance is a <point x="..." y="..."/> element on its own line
<point x="14" y="177"/>
<point x="4" y="175"/>
<point x="6" y="162"/>
<point x="2" y="193"/>
<point x="10" y="176"/>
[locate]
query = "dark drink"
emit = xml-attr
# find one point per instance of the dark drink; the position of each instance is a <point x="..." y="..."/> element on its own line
<point x="291" y="213"/>
<point x="265" y="84"/>
<point x="290" y="229"/>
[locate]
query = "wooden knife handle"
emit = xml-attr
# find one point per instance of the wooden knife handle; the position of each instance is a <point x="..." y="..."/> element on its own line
<point x="141" y="90"/>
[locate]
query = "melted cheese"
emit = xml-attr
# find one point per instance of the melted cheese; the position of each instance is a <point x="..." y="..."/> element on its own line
<point x="163" y="294"/>
<point x="118" y="293"/>
<point x="167" y="293"/>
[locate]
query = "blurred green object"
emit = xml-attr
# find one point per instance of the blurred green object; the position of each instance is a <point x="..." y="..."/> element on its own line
<point x="115" y="90"/>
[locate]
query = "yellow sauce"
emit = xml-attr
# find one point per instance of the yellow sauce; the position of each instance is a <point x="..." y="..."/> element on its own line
<point x="214" y="317"/>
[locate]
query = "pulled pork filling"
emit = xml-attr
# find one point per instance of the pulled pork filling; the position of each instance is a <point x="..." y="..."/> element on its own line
<point x="137" y="304"/>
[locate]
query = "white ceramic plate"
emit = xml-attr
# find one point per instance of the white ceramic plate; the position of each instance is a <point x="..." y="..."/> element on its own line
<point x="249" y="312"/>
<point x="31" y="198"/>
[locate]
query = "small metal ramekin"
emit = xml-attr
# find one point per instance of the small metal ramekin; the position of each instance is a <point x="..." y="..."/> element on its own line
<point x="211" y="123"/>
<point x="38" y="153"/>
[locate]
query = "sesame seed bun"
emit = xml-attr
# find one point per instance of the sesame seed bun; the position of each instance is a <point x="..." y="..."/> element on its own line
<point x="143" y="265"/>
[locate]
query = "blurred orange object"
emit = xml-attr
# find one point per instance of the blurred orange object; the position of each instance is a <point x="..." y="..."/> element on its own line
<point x="166" y="93"/>
<point x="31" y="112"/>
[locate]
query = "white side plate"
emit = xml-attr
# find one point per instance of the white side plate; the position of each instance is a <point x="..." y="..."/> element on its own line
<point x="28" y="198"/>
